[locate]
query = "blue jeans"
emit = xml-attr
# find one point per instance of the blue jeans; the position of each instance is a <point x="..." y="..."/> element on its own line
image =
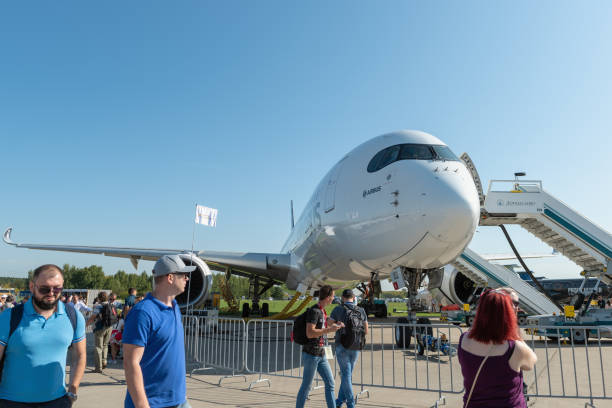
<point x="319" y="364"/>
<point x="346" y="361"/>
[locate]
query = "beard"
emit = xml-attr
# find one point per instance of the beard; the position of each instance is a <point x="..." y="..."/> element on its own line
<point x="44" y="305"/>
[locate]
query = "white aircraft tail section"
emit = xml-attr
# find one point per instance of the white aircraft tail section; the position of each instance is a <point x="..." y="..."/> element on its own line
<point x="531" y="300"/>
<point x="525" y="203"/>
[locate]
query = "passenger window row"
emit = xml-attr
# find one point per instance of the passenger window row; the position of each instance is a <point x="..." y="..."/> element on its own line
<point x="410" y="151"/>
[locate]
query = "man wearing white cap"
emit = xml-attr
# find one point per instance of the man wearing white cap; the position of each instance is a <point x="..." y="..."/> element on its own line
<point x="153" y="345"/>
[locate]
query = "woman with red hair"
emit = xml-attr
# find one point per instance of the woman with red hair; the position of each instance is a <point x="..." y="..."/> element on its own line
<point x="493" y="354"/>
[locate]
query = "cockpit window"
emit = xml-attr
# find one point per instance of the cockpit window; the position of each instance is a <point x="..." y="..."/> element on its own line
<point x="409" y="151"/>
<point x="416" y="152"/>
<point x="444" y="153"/>
<point x="389" y="157"/>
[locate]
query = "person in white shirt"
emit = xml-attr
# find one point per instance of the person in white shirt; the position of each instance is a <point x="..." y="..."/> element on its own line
<point x="80" y="305"/>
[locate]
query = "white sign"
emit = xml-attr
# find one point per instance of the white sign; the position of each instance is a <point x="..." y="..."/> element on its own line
<point x="206" y="216"/>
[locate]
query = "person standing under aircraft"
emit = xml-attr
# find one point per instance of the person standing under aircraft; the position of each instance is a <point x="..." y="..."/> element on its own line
<point x="313" y="353"/>
<point x="153" y="341"/>
<point x="347" y="357"/>
<point x="35" y="353"/>
<point x="493" y="354"/>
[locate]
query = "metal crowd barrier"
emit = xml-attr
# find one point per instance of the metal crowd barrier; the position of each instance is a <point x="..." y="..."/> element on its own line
<point x="212" y="342"/>
<point x="428" y="364"/>
<point x="572" y="362"/>
<point x="420" y="357"/>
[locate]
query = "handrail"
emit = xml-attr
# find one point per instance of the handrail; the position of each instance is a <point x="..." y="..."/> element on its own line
<point x="516" y="184"/>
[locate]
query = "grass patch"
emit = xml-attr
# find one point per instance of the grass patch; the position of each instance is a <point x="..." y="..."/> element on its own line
<point x="276" y="306"/>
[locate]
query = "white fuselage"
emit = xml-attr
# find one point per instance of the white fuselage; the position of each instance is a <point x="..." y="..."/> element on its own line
<point x="417" y="213"/>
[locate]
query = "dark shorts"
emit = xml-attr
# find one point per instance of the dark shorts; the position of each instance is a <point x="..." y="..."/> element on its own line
<point x="62" y="402"/>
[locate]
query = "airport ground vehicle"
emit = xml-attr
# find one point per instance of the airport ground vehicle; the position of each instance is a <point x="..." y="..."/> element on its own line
<point x="598" y="320"/>
<point x="458" y="317"/>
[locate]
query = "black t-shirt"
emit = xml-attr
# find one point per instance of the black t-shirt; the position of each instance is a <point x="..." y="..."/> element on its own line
<point x="315" y="346"/>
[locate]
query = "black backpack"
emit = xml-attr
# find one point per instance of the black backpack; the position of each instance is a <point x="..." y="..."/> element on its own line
<point x="298" y="335"/>
<point x="353" y="335"/>
<point x="107" y="317"/>
<point x="16" y="315"/>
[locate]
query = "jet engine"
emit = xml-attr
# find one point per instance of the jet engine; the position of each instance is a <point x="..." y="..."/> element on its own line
<point x="199" y="285"/>
<point x="448" y="285"/>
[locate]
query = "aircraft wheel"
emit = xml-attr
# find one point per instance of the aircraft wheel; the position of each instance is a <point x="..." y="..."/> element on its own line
<point x="381" y="311"/>
<point x="403" y="334"/>
<point x="424" y="330"/>
<point x="265" y="310"/>
<point x="246" y="310"/>
<point x="579" y="336"/>
<point x="420" y="348"/>
<point x="522" y="320"/>
<point x="470" y="321"/>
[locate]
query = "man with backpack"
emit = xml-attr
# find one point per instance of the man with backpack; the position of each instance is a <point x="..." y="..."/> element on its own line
<point x="314" y="356"/>
<point x="34" y="339"/>
<point x="349" y="341"/>
<point x="105" y="317"/>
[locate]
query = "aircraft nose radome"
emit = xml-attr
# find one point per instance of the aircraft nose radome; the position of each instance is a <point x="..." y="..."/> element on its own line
<point x="454" y="213"/>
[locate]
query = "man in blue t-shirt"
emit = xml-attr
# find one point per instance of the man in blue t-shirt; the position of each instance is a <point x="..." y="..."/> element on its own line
<point x="153" y="342"/>
<point x="346" y="357"/>
<point x="35" y="353"/>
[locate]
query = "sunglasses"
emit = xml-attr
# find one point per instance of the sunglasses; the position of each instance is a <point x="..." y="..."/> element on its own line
<point x="502" y="292"/>
<point x="44" y="290"/>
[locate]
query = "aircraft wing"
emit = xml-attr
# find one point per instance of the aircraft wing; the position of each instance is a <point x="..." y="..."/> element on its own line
<point x="268" y="265"/>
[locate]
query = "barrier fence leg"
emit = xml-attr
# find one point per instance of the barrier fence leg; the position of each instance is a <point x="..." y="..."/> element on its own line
<point x="363" y="391"/>
<point x="260" y="380"/>
<point x="316" y="387"/>
<point x="440" y="401"/>
<point x="233" y="375"/>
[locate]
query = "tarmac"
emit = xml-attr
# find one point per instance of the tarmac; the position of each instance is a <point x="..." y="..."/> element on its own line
<point x="209" y="388"/>
<point x="204" y="391"/>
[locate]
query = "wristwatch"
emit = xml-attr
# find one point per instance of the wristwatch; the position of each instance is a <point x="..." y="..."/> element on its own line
<point x="72" y="396"/>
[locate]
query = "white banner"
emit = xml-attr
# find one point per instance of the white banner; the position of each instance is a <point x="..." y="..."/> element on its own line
<point x="206" y="216"/>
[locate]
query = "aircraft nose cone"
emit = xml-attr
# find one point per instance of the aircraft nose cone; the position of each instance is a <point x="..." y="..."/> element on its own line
<point x="454" y="210"/>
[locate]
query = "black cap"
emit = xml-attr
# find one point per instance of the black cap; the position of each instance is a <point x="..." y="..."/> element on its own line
<point x="347" y="293"/>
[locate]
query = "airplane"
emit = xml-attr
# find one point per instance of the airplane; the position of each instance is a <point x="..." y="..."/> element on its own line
<point x="402" y="199"/>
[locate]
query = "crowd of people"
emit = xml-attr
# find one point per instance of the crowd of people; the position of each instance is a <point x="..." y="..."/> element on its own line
<point x="147" y="332"/>
<point x="36" y="335"/>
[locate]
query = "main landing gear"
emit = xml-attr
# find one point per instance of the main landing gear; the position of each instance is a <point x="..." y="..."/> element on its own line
<point x="369" y="291"/>
<point x="256" y="289"/>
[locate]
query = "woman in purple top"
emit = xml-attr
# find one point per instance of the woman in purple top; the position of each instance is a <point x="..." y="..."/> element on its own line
<point x="495" y="334"/>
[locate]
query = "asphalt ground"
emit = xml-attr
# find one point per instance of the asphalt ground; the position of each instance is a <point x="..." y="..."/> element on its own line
<point x="204" y="388"/>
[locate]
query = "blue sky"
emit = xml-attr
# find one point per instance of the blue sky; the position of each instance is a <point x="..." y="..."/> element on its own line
<point x="116" y="118"/>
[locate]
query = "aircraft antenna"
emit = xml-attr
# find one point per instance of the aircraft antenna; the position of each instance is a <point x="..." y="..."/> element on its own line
<point x="292" y="220"/>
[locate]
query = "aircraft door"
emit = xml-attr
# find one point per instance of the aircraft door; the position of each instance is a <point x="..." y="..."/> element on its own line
<point x="329" y="200"/>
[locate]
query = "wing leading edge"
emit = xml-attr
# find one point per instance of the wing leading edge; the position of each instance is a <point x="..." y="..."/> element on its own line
<point x="269" y="265"/>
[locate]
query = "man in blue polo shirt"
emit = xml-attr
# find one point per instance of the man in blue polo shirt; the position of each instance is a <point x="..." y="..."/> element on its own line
<point x="35" y="353"/>
<point x="153" y="345"/>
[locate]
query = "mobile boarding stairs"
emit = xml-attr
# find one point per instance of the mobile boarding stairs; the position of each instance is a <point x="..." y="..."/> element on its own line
<point x="527" y="204"/>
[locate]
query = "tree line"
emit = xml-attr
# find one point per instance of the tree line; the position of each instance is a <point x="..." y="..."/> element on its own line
<point x="93" y="277"/>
